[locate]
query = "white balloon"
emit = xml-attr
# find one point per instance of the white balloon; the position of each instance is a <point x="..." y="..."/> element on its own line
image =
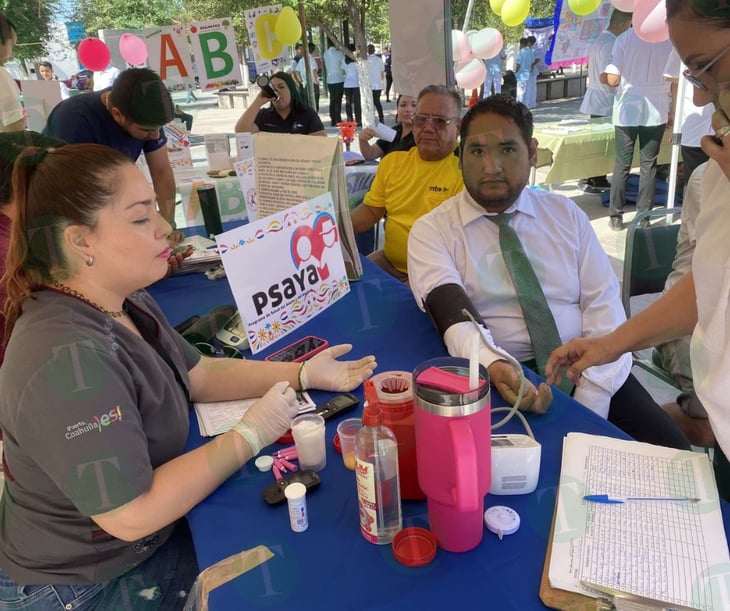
<point x="471" y="74"/>
<point x="486" y="43"/>
<point x="460" y="47"/>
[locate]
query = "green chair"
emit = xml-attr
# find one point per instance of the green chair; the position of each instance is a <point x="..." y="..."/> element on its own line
<point x="648" y="259"/>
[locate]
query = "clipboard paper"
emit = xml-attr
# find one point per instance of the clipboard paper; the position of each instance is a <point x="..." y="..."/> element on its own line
<point x="673" y="554"/>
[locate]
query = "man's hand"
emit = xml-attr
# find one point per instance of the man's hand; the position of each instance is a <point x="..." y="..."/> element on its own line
<point x="507" y="381"/>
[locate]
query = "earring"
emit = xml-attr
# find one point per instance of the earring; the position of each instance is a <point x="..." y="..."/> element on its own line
<point x="89" y="260"/>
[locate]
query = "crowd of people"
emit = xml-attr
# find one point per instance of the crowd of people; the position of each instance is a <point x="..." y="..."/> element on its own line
<point x="82" y="234"/>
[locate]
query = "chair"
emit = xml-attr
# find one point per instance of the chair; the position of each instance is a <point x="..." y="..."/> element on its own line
<point x="648" y="259"/>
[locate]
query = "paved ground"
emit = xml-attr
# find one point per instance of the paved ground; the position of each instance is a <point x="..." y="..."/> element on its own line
<point x="208" y="118"/>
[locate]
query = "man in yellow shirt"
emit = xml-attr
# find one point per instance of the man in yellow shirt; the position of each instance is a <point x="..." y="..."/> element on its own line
<point x="408" y="184"/>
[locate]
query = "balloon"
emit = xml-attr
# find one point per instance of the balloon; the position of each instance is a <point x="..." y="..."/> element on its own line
<point x="94" y="54"/>
<point x="471" y="74"/>
<point x="514" y="12"/>
<point x="486" y="43"/>
<point x="133" y="49"/>
<point x="627" y="6"/>
<point x="496" y="6"/>
<point x="460" y="49"/>
<point x="583" y="7"/>
<point x="650" y="20"/>
<point x="287" y="29"/>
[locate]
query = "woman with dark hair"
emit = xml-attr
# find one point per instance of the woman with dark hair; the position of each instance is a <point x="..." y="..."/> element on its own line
<point x="403" y="141"/>
<point x="699" y="303"/>
<point x="97" y="479"/>
<point x="287" y="114"/>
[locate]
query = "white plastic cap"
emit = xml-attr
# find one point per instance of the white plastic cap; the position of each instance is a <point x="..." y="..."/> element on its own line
<point x="264" y="463"/>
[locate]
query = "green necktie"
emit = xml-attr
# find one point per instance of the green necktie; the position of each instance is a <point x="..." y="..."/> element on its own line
<point x="538" y="317"/>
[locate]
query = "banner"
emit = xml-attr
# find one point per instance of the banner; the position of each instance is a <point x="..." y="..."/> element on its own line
<point x="574" y="34"/>
<point x="39" y="99"/>
<point x="169" y="56"/>
<point x="268" y="53"/>
<point x="214" y="48"/>
<point x="304" y="272"/>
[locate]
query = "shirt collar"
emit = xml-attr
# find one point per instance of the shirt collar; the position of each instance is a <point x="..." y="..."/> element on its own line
<point x="471" y="210"/>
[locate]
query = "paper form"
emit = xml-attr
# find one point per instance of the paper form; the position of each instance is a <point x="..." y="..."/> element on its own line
<point x="674" y="552"/>
<point x="218" y="417"/>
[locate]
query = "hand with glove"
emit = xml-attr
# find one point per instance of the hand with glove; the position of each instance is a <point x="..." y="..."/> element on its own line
<point x="269" y="418"/>
<point x="324" y="372"/>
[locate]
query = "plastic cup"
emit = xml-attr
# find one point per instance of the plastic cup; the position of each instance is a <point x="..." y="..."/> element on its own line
<point x="308" y="433"/>
<point x="347" y="431"/>
<point x="208" y="199"/>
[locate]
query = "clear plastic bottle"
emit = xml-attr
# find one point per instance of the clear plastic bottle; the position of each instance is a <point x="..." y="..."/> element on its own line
<point x="378" y="490"/>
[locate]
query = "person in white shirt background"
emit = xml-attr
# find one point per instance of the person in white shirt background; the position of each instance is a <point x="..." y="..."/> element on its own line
<point x="376" y="72"/>
<point x="334" y="65"/>
<point x="12" y="117"/>
<point x="105" y="78"/>
<point x="640" y="112"/>
<point x="493" y="80"/>
<point x="598" y="99"/>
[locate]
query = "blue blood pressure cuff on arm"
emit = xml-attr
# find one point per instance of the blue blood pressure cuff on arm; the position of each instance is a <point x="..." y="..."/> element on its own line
<point x="444" y="305"/>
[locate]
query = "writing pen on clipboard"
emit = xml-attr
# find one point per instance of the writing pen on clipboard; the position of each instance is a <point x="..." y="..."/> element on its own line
<point x="608" y="499"/>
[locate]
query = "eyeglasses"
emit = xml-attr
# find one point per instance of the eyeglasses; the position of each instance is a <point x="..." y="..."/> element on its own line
<point x="225" y="351"/>
<point x="694" y="78"/>
<point x="439" y="123"/>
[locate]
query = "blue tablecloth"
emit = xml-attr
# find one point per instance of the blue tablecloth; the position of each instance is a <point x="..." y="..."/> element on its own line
<point x="331" y="566"/>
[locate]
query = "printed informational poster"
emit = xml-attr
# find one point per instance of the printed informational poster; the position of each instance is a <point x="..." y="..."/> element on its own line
<point x="246" y="173"/>
<point x="304" y="272"/>
<point x="268" y="53"/>
<point x="216" y="55"/>
<point x="574" y="34"/>
<point x="169" y="56"/>
<point x="178" y="146"/>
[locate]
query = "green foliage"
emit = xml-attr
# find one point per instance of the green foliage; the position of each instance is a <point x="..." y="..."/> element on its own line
<point x="31" y="18"/>
<point x="483" y="17"/>
<point x="121" y="14"/>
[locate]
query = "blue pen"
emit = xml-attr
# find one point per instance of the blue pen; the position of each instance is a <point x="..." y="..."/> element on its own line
<point x="618" y="500"/>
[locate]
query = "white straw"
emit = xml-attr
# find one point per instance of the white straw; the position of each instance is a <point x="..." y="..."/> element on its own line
<point x="474" y="362"/>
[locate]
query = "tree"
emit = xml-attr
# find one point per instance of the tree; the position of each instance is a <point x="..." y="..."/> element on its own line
<point x="121" y="14"/>
<point x="483" y="17"/>
<point x="32" y="20"/>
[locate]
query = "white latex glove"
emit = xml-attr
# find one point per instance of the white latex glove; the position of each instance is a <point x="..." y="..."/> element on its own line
<point x="269" y="418"/>
<point x="324" y="372"/>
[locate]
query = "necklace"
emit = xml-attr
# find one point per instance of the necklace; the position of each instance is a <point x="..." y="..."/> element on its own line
<point x="69" y="291"/>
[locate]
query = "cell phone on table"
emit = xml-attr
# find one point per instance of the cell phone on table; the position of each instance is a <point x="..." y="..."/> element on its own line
<point x="300" y="350"/>
<point x="233" y="333"/>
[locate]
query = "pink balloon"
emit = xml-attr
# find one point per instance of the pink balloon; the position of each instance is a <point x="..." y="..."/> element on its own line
<point x="486" y="43"/>
<point x="94" y="54"/>
<point x="133" y="49"/>
<point x="627" y="6"/>
<point x="471" y="74"/>
<point x="460" y="48"/>
<point x="650" y="20"/>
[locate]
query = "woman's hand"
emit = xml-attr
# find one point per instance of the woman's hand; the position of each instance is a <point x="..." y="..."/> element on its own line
<point x="269" y="418"/>
<point x="577" y="356"/>
<point x="367" y="134"/>
<point x="506" y="380"/>
<point x="324" y="372"/>
<point x="176" y="259"/>
<point x="718" y="146"/>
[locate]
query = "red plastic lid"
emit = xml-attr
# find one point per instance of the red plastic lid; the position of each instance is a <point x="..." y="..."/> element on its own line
<point x="336" y="442"/>
<point x="286" y="437"/>
<point x="414" y="546"/>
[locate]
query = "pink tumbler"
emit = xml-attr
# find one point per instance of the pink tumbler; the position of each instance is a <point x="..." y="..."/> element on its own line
<point x="453" y="447"/>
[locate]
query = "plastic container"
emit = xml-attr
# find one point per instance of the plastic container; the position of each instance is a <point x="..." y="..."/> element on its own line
<point x="378" y="492"/>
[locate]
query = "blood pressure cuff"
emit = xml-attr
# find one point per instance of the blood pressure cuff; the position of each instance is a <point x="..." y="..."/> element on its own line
<point x="444" y="305"/>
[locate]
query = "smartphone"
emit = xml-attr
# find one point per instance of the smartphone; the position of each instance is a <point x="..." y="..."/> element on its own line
<point x="233" y="333"/>
<point x="300" y="350"/>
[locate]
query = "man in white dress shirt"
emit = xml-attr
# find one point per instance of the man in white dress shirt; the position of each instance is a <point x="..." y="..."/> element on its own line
<point x="455" y="262"/>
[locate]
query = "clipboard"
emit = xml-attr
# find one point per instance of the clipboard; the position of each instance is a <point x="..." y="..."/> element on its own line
<point x="562" y="599"/>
